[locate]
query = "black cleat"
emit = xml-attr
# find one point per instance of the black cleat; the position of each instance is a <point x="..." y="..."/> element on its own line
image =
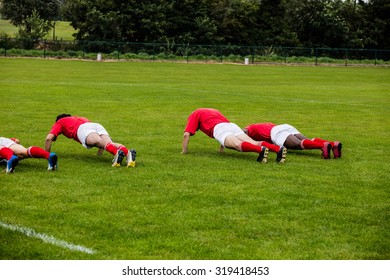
<point x="118" y="158"/>
<point x="263" y="155"/>
<point x="281" y="155"/>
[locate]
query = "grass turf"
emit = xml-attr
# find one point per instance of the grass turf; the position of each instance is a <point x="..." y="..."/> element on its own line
<point x="62" y="31"/>
<point x="203" y="205"/>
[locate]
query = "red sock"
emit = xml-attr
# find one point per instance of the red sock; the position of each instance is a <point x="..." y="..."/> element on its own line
<point x="36" y="152"/>
<point x="319" y="140"/>
<point x="271" y="147"/>
<point x="248" y="147"/>
<point x="111" y="148"/>
<point x="309" y="144"/>
<point x="6" y="153"/>
<point x="124" y="149"/>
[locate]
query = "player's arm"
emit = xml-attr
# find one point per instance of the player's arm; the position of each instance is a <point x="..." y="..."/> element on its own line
<point x="221" y="149"/>
<point x="186" y="139"/>
<point x="49" y="140"/>
<point x="16" y="140"/>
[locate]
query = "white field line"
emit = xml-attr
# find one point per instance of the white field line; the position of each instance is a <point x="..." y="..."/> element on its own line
<point x="47" y="238"/>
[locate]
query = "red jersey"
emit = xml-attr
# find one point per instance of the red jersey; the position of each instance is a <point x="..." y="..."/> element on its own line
<point x="68" y="126"/>
<point x="260" y="131"/>
<point x="204" y="119"/>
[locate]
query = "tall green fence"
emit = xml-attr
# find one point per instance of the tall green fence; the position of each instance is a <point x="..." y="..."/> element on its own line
<point x="97" y="50"/>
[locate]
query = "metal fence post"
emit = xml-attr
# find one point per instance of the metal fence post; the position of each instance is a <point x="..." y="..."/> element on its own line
<point x="44" y="49"/>
<point x="375" y="57"/>
<point x="5" y="47"/>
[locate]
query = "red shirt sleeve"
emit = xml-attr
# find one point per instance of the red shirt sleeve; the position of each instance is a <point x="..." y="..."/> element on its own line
<point x="56" y="129"/>
<point x="192" y="124"/>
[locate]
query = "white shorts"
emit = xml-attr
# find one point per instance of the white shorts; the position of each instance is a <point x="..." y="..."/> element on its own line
<point x="6" y="142"/>
<point x="88" y="128"/>
<point x="280" y="133"/>
<point x="223" y="130"/>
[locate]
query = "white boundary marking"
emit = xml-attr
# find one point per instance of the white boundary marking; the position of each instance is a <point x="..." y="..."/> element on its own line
<point x="47" y="238"/>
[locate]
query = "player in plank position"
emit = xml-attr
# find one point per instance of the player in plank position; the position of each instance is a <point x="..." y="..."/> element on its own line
<point x="11" y="151"/>
<point x="291" y="138"/>
<point x="229" y="135"/>
<point x="90" y="135"/>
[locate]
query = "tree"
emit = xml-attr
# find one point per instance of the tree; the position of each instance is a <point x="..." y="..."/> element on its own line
<point x="309" y="23"/>
<point x="17" y="11"/>
<point x="35" y="28"/>
<point x="118" y="20"/>
<point x="273" y="27"/>
<point x="235" y="20"/>
<point x="33" y="17"/>
<point x="377" y="28"/>
<point x="318" y="23"/>
<point x="189" y="21"/>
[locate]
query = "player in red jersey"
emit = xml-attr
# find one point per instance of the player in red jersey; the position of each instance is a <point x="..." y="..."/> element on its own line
<point x="12" y="151"/>
<point x="291" y="138"/>
<point x="90" y="135"/>
<point x="229" y="135"/>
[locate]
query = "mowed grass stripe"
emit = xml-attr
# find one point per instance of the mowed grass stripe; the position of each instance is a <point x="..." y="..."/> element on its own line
<point x="203" y="205"/>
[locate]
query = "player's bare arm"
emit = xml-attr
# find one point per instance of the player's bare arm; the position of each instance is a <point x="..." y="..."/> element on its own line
<point x="49" y="140"/>
<point x="186" y="139"/>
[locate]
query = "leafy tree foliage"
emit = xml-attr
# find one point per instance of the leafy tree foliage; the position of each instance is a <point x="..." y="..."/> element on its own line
<point x="274" y="26"/>
<point x="33" y="17"/>
<point x="18" y="11"/>
<point x="377" y="23"/>
<point x="35" y="28"/>
<point x="310" y="23"/>
<point x="319" y="23"/>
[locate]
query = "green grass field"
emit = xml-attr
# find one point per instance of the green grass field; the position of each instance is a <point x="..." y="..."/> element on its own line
<point x="203" y="205"/>
<point x="62" y="30"/>
<point x="8" y="28"/>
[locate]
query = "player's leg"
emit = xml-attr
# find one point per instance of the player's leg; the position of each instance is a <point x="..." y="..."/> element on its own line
<point x="234" y="142"/>
<point x="123" y="150"/>
<point x="35" y="152"/>
<point x="19" y="150"/>
<point x="104" y="142"/>
<point x="284" y="135"/>
<point x="336" y="146"/>
<point x="281" y="151"/>
<point x="94" y="135"/>
<point x="245" y="138"/>
<point x="130" y="154"/>
<point x="232" y="136"/>
<point x="119" y="150"/>
<point x="293" y="142"/>
<point x="12" y="160"/>
<point x="301" y="142"/>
